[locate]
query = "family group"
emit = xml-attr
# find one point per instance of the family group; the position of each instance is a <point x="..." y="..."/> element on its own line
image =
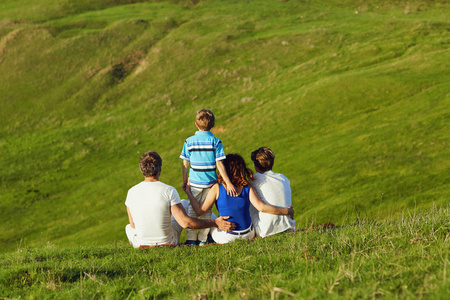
<point x="248" y="204"/>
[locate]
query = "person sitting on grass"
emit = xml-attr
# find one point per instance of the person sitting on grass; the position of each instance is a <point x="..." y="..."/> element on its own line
<point x="237" y="208"/>
<point x="274" y="189"/>
<point x="156" y="214"/>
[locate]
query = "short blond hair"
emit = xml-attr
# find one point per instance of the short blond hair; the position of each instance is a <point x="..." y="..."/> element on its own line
<point x="205" y="119"/>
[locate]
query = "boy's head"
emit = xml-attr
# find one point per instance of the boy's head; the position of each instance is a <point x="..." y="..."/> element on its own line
<point x="263" y="158"/>
<point x="205" y="120"/>
<point x="150" y="164"/>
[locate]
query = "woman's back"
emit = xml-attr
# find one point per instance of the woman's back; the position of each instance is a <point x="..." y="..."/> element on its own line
<point x="237" y="208"/>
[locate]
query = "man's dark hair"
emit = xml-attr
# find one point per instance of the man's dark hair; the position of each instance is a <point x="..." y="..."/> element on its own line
<point x="150" y="164"/>
<point x="263" y="158"/>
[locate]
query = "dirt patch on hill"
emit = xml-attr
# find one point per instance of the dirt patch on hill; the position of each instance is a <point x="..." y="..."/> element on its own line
<point x="9" y="37"/>
<point x="218" y="129"/>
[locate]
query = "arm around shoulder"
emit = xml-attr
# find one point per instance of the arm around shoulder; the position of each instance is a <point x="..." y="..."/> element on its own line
<point x="267" y="208"/>
<point x="187" y="222"/>
<point x="180" y="215"/>
<point x="183" y="219"/>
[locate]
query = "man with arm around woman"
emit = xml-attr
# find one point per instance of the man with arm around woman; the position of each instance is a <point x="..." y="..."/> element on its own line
<point x="236" y="207"/>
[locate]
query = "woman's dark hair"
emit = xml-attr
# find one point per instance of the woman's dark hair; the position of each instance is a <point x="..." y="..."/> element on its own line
<point x="237" y="171"/>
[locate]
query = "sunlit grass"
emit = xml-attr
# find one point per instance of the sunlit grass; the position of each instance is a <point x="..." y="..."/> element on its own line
<point x="406" y="257"/>
<point x="355" y="105"/>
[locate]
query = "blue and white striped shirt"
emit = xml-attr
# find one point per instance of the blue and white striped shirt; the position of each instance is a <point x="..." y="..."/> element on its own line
<point x="202" y="150"/>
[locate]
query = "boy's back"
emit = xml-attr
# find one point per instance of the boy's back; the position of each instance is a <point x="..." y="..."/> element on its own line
<point x="202" y="150"/>
<point x="149" y="204"/>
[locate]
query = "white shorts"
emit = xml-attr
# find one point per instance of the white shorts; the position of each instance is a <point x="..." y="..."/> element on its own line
<point x="224" y="237"/>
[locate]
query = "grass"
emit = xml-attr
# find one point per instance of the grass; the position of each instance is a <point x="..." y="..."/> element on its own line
<point x="402" y="258"/>
<point x="352" y="97"/>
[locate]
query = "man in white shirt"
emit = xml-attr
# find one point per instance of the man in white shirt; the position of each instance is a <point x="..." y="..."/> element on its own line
<point x="274" y="189"/>
<point x="155" y="211"/>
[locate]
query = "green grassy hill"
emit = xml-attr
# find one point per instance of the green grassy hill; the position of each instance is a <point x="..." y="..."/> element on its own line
<point x="405" y="257"/>
<point x="353" y="97"/>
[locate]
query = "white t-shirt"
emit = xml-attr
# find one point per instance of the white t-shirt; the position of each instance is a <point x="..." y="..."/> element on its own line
<point x="149" y="204"/>
<point x="275" y="189"/>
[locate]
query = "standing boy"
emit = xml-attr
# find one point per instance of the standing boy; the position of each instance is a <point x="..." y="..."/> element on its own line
<point x="203" y="152"/>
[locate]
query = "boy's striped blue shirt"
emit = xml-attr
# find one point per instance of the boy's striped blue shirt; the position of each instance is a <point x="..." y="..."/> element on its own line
<point x="202" y="150"/>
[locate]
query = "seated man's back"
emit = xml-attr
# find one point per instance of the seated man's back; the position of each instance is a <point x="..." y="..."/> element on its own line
<point x="155" y="212"/>
<point x="149" y="204"/>
<point x="274" y="189"/>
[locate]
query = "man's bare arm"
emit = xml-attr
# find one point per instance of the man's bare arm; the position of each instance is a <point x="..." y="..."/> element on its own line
<point x="267" y="208"/>
<point x="187" y="222"/>
<point x="130" y="218"/>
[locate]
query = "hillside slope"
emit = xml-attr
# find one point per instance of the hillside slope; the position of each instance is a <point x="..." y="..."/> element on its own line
<point x="354" y="99"/>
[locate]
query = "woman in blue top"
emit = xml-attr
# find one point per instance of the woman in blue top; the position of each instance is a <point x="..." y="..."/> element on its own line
<point x="237" y="208"/>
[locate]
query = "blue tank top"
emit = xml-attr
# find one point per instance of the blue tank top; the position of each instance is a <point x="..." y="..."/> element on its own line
<point x="238" y="208"/>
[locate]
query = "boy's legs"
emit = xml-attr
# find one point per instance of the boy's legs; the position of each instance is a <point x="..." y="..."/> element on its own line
<point x="203" y="233"/>
<point x="199" y="195"/>
<point x="191" y="234"/>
